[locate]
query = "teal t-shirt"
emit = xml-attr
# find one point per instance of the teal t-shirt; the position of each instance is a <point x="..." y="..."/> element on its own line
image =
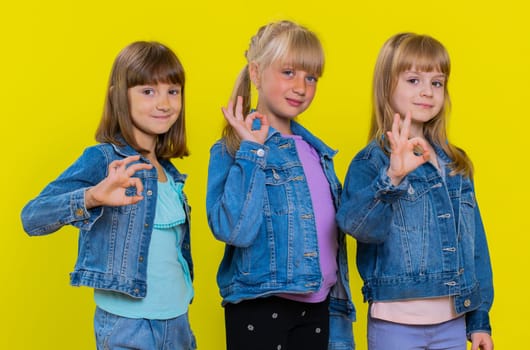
<point x="169" y="286"/>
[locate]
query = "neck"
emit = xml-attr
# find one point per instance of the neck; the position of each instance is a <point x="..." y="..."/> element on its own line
<point x="283" y="125"/>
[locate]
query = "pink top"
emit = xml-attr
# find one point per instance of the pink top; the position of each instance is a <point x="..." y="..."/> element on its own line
<point x="415" y="312"/>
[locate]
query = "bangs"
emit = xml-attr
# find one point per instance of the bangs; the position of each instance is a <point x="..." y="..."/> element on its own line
<point x="157" y="65"/>
<point x="424" y="54"/>
<point x="301" y="50"/>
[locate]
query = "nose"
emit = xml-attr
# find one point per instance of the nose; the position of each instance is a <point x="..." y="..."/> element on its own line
<point x="426" y="90"/>
<point x="162" y="103"/>
<point x="299" y="85"/>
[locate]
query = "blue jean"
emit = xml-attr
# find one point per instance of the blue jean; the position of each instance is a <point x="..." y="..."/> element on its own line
<point x="119" y="333"/>
<point x="384" y="335"/>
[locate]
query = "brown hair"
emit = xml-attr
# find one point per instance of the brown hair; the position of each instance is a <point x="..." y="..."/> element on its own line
<point x="400" y="53"/>
<point x="142" y="63"/>
<point x="285" y="41"/>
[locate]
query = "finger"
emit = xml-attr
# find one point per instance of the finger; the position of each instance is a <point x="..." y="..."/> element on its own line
<point x="130" y="159"/>
<point x="420" y="148"/>
<point x="264" y="120"/>
<point x="131" y="170"/>
<point x="229" y="107"/>
<point x="391" y="140"/>
<point x="239" y="108"/>
<point x="137" y="183"/>
<point x="395" y="126"/>
<point x="405" y="127"/>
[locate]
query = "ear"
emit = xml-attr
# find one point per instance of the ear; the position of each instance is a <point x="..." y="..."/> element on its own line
<point x="253" y="70"/>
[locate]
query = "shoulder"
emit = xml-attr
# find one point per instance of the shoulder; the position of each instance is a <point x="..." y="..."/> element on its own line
<point x="372" y="152"/>
<point x="319" y="145"/>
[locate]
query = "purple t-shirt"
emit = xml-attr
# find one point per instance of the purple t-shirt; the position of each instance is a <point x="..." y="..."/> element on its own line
<point x="324" y="211"/>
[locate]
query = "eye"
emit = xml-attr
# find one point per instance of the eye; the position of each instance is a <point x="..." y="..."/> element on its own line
<point x="175" y="91"/>
<point x="438" y="83"/>
<point x="288" y="72"/>
<point x="148" y="91"/>
<point x="413" y="80"/>
<point x="311" y="79"/>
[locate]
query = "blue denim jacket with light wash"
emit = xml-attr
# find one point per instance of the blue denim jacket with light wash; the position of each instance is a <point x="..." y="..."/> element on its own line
<point x="113" y="241"/>
<point x="423" y="238"/>
<point x="259" y="204"/>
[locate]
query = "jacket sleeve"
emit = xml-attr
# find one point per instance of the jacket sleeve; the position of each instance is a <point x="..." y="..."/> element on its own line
<point x="366" y="201"/>
<point x="62" y="202"/>
<point x="235" y="192"/>
<point x="478" y="320"/>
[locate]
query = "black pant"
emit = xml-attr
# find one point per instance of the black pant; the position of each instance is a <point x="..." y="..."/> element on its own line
<point x="275" y="323"/>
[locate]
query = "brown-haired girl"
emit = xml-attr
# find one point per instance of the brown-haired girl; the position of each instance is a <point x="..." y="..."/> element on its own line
<point x="126" y="198"/>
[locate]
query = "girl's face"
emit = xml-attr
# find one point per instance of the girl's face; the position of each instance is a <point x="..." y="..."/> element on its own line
<point x="284" y="92"/>
<point x="420" y="93"/>
<point x="154" y="109"/>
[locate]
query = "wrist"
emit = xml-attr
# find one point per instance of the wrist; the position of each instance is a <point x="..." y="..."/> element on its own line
<point x="90" y="200"/>
<point x="394" y="179"/>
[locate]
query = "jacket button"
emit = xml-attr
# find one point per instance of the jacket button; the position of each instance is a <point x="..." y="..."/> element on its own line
<point x="136" y="291"/>
<point x="260" y="152"/>
<point x="146" y="225"/>
<point x="149" y="193"/>
<point x="141" y="259"/>
<point x="79" y="212"/>
<point x="461" y="271"/>
<point x="467" y="303"/>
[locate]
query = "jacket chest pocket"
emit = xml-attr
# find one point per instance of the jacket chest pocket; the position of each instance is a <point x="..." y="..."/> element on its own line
<point x="279" y="185"/>
<point x="413" y="206"/>
<point x="127" y="209"/>
<point x="467" y="215"/>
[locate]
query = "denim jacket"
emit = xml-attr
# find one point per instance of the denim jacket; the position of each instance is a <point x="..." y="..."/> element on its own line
<point x="258" y="203"/>
<point x="113" y="241"/>
<point x="423" y="238"/>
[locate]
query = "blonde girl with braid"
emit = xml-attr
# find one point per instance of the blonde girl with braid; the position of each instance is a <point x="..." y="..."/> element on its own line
<point x="272" y="198"/>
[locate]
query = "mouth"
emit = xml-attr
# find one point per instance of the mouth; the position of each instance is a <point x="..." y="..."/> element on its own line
<point x="293" y="102"/>
<point x="161" y="117"/>
<point x="424" y="105"/>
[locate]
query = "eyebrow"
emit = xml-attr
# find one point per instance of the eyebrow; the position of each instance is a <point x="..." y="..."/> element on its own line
<point x="441" y="75"/>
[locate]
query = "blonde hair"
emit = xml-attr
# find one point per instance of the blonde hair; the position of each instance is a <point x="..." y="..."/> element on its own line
<point x="400" y="53"/>
<point x="142" y="63"/>
<point x="285" y="41"/>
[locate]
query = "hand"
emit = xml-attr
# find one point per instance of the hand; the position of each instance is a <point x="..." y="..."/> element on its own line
<point x="243" y="126"/>
<point x="404" y="157"/>
<point x="111" y="190"/>
<point x="481" y="341"/>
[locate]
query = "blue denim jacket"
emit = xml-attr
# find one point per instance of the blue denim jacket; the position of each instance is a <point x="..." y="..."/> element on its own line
<point x="421" y="239"/>
<point x="113" y="241"/>
<point x="259" y="204"/>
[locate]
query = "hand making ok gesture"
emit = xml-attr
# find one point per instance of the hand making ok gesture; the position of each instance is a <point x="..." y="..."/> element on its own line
<point x="111" y="190"/>
<point x="243" y="126"/>
<point x="406" y="153"/>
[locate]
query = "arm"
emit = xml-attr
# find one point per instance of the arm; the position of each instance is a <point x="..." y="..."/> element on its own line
<point x="236" y="185"/>
<point x="235" y="193"/>
<point x="373" y="183"/>
<point x="477" y="321"/>
<point x="65" y="200"/>
<point x="366" y="210"/>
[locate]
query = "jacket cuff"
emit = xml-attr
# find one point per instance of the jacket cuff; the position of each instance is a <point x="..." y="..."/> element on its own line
<point x="477" y="321"/>
<point x="254" y="152"/>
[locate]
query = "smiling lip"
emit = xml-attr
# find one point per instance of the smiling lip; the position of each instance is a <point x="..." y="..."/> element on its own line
<point x="294" y="103"/>
<point x="424" y="105"/>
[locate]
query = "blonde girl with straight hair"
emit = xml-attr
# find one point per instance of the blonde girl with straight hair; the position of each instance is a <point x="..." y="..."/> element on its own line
<point x="272" y="198"/>
<point x="125" y="196"/>
<point x="409" y="200"/>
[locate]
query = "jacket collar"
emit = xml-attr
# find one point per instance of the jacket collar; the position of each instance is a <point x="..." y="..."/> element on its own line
<point x="316" y="143"/>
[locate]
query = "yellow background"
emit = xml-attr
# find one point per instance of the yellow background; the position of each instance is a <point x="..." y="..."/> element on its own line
<point x="56" y="57"/>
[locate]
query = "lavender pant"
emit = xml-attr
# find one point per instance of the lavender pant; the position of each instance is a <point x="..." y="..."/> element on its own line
<point x="384" y="335"/>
